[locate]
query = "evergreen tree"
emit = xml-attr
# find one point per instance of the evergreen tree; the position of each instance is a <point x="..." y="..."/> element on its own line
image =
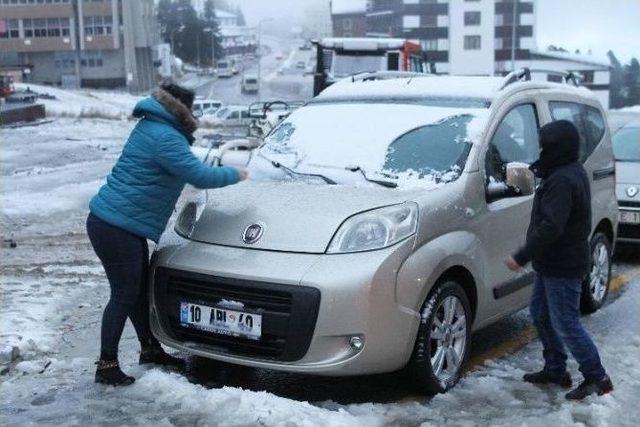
<point x="241" y="21"/>
<point x="212" y="36"/>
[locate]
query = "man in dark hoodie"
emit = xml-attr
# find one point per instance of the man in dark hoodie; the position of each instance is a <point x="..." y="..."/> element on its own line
<point x="557" y="243"/>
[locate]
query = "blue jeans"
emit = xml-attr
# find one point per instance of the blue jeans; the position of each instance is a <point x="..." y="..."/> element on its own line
<point x="555" y="309"/>
<point x="125" y="258"/>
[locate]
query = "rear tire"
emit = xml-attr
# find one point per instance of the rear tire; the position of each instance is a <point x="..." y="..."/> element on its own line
<point x="595" y="287"/>
<point x="444" y="337"/>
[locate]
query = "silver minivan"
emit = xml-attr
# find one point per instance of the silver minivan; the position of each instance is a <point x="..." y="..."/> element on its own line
<point x="373" y="234"/>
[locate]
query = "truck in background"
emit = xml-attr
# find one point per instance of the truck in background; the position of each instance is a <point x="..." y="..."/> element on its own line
<point x="341" y="57"/>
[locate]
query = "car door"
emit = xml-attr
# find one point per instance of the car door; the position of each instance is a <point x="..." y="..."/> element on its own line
<point x="233" y="118"/>
<point x="506" y="218"/>
<point x="596" y="154"/>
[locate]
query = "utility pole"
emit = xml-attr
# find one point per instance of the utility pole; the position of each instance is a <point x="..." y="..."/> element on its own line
<point x="513" y="34"/>
<point x="76" y="30"/>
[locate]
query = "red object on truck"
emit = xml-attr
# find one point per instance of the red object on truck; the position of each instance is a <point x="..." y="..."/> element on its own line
<point x="6" y="86"/>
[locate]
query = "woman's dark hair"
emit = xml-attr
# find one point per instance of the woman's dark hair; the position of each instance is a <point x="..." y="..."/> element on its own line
<point x="185" y="96"/>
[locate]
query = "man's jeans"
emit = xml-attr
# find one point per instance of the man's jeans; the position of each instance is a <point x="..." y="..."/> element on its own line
<point x="555" y="308"/>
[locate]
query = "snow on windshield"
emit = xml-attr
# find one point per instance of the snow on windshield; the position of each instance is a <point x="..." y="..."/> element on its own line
<point x="393" y="140"/>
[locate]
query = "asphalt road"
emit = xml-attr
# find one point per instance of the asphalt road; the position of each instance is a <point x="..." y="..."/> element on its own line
<point x="280" y="79"/>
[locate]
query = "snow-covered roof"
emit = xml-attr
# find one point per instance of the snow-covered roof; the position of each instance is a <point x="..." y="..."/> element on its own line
<point x="224" y="14"/>
<point x="362" y="43"/>
<point x="346" y="7"/>
<point x="574" y="57"/>
<point x="483" y="88"/>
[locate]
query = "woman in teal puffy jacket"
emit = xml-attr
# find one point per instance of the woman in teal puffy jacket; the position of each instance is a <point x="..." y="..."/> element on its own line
<point x="135" y="205"/>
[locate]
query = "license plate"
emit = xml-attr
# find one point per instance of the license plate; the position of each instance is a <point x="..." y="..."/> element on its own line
<point x="221" y="320"/>
<point x="629" y="217"/>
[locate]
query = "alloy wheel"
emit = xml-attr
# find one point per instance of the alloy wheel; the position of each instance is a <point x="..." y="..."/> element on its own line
<point x="448" y="338"/>
<point x="599" y="276"/>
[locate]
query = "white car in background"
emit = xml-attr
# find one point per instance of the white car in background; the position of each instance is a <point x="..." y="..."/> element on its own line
<point x="224" y="68"/>
<point x="625" y="131"/>
<point x="231" y="116"/>
<point x="249" y="83"/>
<point x="206" y="106"/>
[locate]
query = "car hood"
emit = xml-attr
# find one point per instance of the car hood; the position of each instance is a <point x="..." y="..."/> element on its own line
<point x="628" y="181"/>
<point x="295" y="217"/>
<point x="628" y="173"/>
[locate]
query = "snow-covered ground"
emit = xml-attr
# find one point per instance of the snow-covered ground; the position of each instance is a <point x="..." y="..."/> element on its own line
<point x="53" y="290"/>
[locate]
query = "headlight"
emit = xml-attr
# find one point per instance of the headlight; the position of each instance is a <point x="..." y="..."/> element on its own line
<point x="189" y="216"/>
<point x="375" y="229"/>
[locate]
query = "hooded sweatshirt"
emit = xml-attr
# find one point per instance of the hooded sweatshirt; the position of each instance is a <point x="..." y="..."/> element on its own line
<point x="156" y="162"/>
<point x="557" y="241"/>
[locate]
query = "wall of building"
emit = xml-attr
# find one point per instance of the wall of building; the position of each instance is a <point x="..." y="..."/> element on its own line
<point x="467" y="59"/>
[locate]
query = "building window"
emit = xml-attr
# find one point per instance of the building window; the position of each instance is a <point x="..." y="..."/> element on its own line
<point x="91" y="59"/>
<point x="347" y="24"/>
<point x="49" y="27"/>
<point x="410" y="21"/>
<point x="429" y="20"/>
<point x="98" y="25"/>
<point x="472" y="18"/>
<point x="21" y="2"/>
<point x="472" y="42"/>
<point x="429" y="44"/>
<point x="9" y="29"/>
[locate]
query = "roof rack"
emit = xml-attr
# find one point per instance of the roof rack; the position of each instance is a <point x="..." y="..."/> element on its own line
<point x="386" y="75"/>
<point x="524" y="74"/>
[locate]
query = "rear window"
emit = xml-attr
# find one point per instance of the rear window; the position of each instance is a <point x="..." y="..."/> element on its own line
<point x="251" y="81"/>
<point x="626" y="144"/>
<point x="587" y="119"/>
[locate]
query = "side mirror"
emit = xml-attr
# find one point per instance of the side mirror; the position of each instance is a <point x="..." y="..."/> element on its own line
<point x="520" y="178"/>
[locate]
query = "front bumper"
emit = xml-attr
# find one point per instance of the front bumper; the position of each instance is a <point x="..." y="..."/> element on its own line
<point x="323" y="301"/>
<point x="628" y="232"/>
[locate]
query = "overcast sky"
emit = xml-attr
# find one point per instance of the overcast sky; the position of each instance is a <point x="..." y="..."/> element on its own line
<point x="598" y="25"/>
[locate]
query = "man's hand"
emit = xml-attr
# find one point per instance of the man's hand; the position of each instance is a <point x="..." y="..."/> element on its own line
<point x="512" y="264"/>
<point x="243" y="172"/>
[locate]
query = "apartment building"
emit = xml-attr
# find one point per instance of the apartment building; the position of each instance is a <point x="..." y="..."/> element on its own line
<point x="106" y="43"/>
<point x="348" y="18"/>
<point x="473" y="37"/>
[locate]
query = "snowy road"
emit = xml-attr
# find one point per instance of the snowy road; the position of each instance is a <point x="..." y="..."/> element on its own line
<point x="280" y="79"/>
<point x="53" y="289"/>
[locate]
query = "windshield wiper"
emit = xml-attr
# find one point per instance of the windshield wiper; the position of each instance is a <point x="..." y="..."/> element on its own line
<point x="290" y="171"/>
<point x="388" y="184"/>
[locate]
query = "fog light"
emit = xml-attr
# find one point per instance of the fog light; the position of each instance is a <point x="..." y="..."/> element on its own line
<point x="356" y="343"/>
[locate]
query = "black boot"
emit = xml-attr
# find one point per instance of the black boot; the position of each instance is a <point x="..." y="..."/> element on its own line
<point x="586" y="388"/>
<point x="108" y="372"/>
<point x="156" y="354"/>
<point x="544" y="377"/>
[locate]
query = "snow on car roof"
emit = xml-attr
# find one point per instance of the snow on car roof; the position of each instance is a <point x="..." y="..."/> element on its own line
<point x="484" y="88"/>
<point x="362" y="43"/>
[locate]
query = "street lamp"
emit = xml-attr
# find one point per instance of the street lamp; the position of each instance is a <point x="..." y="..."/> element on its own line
<point x="213" y="44"/>
<point x="259" y="55"/>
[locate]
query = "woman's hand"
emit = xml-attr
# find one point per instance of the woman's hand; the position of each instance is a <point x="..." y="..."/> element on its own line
<point x="242" y="172"/>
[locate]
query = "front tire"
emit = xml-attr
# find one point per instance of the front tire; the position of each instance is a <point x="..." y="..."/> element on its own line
<point x="443" y="341"/>
<point x="595" y="287"/>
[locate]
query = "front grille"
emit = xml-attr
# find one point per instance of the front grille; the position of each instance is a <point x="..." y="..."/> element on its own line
<point x="288" y="312"/>
<point x="628" y="204"/>
<point x="628" y="231"/>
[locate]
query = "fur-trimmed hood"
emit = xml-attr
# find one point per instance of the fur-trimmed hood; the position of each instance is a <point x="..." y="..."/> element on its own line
<point x="162" y="106"/>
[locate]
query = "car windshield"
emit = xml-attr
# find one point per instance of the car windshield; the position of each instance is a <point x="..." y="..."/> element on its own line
<point x="409" y="143"/>
<point x="222" y="112"/>
<point x="626" y="144"/>
<point x="349" y="64"/>
<point x="251" y="81"/>
<point x="222" y="65"/>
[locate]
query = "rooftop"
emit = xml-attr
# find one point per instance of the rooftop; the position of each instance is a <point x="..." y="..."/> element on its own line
<point x="346" y="7"/>
<point x="472" y="88"/>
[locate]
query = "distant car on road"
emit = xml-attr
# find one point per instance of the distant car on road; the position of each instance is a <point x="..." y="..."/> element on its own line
<point x="625" y="128"/>
<point x="206" y="105"/>
<point x="231" y="116"/>
<point x="249" y="83"/>
<point x="279" y="56"/>
<point x="224" y="68"/>
<point x="301" y="65"/>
